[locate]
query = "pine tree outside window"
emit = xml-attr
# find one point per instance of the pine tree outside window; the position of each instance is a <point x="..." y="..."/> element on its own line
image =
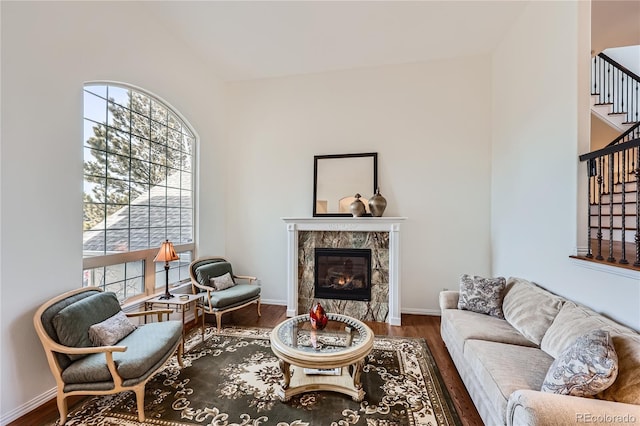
<point x="138" y="189"/>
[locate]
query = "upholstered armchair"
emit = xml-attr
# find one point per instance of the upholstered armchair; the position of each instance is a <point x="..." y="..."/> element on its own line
<point x="82" y="335"/>
<point x="225" y="292"/>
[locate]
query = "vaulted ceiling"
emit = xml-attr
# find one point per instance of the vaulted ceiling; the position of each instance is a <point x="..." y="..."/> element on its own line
<point x="243" y="40"/>
<point x="257" y="39"/>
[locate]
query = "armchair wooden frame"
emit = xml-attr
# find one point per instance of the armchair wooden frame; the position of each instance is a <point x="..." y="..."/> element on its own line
<point x="206" y="304"/>
<point x="51" y="347"/>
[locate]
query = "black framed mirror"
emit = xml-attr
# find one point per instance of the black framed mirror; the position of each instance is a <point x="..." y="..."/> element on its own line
<point x="338" y="177"/>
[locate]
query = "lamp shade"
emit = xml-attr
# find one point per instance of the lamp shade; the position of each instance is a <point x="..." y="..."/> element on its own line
<point x="167" y="253"/>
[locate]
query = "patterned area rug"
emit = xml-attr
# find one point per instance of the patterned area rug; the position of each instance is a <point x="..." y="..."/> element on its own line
<point x="231" y="378"/>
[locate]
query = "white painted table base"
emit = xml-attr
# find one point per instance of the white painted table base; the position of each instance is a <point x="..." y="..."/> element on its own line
<point x="348" y="382"/>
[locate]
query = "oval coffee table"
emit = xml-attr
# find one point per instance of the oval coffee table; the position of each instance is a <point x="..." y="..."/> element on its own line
<point x="329" y="359"/>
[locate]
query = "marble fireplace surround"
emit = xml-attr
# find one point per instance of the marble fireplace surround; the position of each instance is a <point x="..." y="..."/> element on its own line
<point x="389" y="225"/>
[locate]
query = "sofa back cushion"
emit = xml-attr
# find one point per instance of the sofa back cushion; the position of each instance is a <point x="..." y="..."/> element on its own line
<point x="529" y="308"/>
<point x="52" y="311"/>
<point x="571" y="322"/>
<point x="626" y="388"/>
<point x="575" y="320"/>
<point x="72" y="323"/>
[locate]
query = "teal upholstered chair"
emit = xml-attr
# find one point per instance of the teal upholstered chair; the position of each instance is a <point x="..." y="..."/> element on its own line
<point x="64" y="326"/>
<point x="208" y="273"/>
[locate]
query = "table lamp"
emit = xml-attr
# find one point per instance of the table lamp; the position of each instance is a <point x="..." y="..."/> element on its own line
<point x="166" y="254"/>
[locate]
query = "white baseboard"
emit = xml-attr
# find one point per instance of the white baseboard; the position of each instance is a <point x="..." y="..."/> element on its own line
<point x="278" y="302"/>
<point x="27" y="407"/>
<point x="418" y="311"/>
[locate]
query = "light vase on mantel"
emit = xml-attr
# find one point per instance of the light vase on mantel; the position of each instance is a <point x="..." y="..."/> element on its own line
<point x="357" y="207"/>
<point x="377" y="204"/>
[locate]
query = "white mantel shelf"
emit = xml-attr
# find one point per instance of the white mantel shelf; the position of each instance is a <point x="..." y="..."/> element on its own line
<point x="346" y="224"/>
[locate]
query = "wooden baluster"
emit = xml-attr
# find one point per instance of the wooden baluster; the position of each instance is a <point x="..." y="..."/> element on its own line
<point x="611" y="194"/>
<point x="599" y="233"/>
<point x="623" y="258"/>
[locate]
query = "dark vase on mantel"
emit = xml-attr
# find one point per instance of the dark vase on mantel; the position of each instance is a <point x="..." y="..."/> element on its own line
<point x="377" y="204"/>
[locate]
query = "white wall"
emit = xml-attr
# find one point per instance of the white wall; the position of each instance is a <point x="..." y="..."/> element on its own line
<point x="429" y="123"/>
<point x="48" y="51"/>
<point x="537" y="114"/>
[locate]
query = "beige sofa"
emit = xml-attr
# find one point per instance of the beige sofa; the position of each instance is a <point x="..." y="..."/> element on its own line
<point x="503" y="362"/>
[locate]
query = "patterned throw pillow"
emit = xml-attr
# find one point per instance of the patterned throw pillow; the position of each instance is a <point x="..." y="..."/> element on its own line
<point x="585" y="368"/>
<point x="111" y="331"/>
<point x="222" y="282"/>
<point x="482" y="295"/>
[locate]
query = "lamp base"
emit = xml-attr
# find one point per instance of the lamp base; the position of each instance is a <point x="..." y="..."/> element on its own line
<point x="166" y="296"/>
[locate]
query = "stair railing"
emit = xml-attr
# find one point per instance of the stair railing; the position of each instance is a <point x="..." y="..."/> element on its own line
<point x="617" y="86"/>
<point x="610" y="171"/>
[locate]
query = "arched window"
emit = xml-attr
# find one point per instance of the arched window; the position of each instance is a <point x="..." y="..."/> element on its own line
<point x="138" y="189"/>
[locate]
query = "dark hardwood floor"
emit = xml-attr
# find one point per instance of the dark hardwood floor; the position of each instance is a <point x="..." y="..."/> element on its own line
<point x="427" y="327"/>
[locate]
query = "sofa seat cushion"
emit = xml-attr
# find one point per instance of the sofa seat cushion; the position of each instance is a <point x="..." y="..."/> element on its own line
<point x="466" y="325"/>
<point x="530" y="309"/>
<point x="502" y="369"/>
<point x="238" y="294"/>
<point x="146" y="347"/>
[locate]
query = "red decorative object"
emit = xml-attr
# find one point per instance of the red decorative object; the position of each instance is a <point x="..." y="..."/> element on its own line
<point x="318" y="317"/>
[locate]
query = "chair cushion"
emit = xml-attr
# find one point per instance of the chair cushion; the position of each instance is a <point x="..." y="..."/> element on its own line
<point x="52" y="311"/>
<point x="205" y="272"/>
<point x="146" y="346"/>
<point x="72" y="323"/>
<point x="234" y="295"/>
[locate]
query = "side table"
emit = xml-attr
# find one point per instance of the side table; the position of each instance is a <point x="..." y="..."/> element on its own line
<point x="180" y="305"/>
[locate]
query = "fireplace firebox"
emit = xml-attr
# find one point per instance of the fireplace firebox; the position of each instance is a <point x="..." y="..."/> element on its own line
<point x="342" y="274"/>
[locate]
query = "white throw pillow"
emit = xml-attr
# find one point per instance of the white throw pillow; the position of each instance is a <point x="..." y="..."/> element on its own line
<point x="585" y="368"/>
<point x="111" y="331"/>
<point x="222" y="282"/>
